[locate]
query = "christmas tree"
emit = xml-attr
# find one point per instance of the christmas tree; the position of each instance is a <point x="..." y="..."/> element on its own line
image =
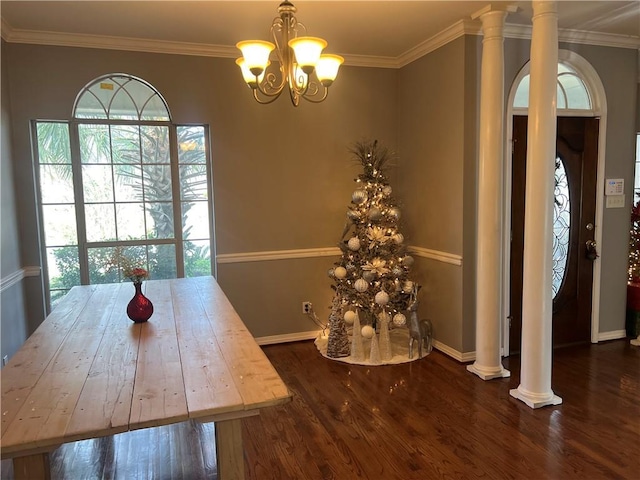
<point x="372" y="275"/>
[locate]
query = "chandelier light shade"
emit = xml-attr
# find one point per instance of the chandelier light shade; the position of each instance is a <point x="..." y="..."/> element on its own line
<point x="303" y="69"/>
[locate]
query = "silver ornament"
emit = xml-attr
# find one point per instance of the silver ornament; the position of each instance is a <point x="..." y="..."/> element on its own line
<point x="395" y="212"/>
<point x="374" y="213"/>
<point x="368" y="275"/>
<point x="353" y="215"/>
<point x="358" y="197"/>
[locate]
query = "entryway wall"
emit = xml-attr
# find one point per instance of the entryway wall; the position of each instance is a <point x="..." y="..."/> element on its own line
<point x="438" y="141"/>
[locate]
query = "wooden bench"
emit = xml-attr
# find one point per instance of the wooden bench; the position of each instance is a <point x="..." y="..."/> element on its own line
<point x="88" y="371"/>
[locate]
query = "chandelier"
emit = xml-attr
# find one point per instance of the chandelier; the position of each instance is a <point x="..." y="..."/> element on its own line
<point x="299" y="58"/>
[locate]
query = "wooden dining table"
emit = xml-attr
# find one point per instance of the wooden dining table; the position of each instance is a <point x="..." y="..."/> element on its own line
<point x="88" y="371"/>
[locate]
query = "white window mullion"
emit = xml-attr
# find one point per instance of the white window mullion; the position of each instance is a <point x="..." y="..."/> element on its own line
<point x="177" y="201"/>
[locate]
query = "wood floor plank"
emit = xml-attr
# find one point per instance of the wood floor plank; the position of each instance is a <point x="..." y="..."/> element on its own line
<point x="429" y="419"/>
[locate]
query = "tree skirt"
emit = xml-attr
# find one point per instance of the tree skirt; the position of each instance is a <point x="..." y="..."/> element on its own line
<point x="399" y="346"/>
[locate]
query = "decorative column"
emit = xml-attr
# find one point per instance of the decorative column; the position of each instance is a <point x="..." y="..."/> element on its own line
<point x="537" y="302"/>
<point x="488" y="363"/>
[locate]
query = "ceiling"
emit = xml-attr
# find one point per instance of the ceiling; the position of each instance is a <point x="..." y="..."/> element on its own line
<point x="384" y="29"/>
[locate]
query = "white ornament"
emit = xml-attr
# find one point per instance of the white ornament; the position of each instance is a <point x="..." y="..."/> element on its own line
<point x="407" y="260"/>
<point x="354" y="243"/>
<point x="349" y="317"/>
<point x="386" y="190"/>
<point x="399" y="319"/>
<point x="382" y="298"/>
<point x="407" y="287"/>
<point x="340" y="272"/>
<point x="358" y="197"/>
<point x="398" y="238"/>
<point x="361" y="285"/>
<point x="367" y="331"/>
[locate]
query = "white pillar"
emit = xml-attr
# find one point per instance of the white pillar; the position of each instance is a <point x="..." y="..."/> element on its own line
<point x="488" y="362"/>
<point x="537" y="303"/>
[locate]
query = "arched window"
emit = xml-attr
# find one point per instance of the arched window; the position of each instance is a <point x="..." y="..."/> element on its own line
<point x="121" y="97"/>
<point x="572" y="93"/>
<point x="121" y="180"/>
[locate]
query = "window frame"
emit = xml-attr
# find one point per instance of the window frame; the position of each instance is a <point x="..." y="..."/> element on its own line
<point x="83" y="245"/>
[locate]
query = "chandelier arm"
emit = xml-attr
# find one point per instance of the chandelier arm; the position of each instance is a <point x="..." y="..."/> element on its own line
<point x="312" y="99"/>
<point x="268" y="100"/>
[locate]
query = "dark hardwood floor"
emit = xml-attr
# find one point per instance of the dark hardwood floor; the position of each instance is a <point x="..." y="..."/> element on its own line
<point x="429" y="419"/>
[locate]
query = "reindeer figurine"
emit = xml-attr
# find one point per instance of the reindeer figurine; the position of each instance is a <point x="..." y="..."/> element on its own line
<point x="419" y="330"/>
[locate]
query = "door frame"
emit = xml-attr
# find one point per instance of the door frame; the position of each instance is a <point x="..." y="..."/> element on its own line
<point x="599" y="109"/>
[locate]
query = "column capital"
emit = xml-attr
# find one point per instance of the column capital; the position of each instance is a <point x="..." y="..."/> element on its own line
<point x="494" y="8"/>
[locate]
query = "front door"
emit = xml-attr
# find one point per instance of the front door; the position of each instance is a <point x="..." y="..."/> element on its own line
<point x="574" y="220"/>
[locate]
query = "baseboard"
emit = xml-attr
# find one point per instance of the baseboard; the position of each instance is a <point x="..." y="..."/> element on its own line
<point x="612" y="335"/>
<point x="463" y="357"/>
<point x="287" y="337"/>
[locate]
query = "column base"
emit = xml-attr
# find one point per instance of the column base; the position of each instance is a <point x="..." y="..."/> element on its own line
<point x="535" y="400"/>
<point x="488" y="373"/>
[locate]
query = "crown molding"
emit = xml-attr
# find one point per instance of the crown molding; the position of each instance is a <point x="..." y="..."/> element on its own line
<point x="577" y="36"/>
<point x="458" y="29"/>
<point x="120" y="43"/>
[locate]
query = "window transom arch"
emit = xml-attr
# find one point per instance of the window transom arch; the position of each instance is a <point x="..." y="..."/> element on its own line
<point x="121" y="97"/>
<point x="579" y="89"/>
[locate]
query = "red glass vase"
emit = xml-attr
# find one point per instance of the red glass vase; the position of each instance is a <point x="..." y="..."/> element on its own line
<point x="140" y="307"/>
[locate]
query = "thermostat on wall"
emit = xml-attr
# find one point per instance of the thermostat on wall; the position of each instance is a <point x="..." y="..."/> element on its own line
<point x="614" y="186"/>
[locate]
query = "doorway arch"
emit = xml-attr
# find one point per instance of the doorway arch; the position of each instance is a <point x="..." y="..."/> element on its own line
<point x="569" y="63"/>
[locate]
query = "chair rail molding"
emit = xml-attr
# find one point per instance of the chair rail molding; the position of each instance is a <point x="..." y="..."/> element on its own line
<point x="17" y="276"/>
<point x="265" y="256"/>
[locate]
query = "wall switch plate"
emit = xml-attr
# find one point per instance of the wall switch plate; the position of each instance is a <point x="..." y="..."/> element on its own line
<point x="5" y="359"/>
<point x="615" y="201"/>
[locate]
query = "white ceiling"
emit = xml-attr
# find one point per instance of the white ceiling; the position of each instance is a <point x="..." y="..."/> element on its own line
<point x="387" y="29"/>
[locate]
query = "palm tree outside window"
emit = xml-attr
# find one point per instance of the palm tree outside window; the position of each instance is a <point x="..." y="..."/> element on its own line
<point x="120" y="176"/>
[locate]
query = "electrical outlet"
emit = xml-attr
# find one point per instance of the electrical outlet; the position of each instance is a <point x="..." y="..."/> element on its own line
<point x="5" y="359"/>
<point x="306" y="307"/>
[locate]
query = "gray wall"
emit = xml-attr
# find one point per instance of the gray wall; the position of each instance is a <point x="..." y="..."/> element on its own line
<point x="283" y="176"/>
<point x="431" y="134"/>
<point x="14" y="321"/>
